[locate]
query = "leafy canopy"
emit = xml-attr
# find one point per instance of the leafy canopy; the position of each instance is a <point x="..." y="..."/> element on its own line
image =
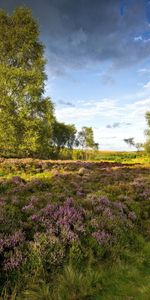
<point x="63" y="135"/>
<point x="85" y="138"/>
<point x="147" y="132"/>
<point x="26" y="117"/>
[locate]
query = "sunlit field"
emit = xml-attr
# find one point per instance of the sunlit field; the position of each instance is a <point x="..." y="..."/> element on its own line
<point x="75" y="229"/>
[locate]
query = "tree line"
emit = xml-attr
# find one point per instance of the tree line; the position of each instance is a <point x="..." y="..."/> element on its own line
<point x="140" y="146"/>
<point x="28" y="126"/>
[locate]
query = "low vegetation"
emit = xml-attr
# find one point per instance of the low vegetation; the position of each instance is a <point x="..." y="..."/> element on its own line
<point x="74" y="230"/>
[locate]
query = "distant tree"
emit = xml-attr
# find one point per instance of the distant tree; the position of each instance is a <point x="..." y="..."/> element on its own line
<point x="139" y="146"/>
<point x="147" y="132"/>
<point x="26" y="117"/>
<point x="63" y="136"/>
<point x="85" y="138"/>
<point x="96" y="146"/>
<point x="130" y="142"/>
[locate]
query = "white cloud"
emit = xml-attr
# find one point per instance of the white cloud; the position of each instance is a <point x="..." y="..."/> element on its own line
<point x="138" y="38"/>
<point x="105" y="108"/>
<point x="100" y="113"/>
<point x="144" y="70"/>
<point x="89" y="110"/>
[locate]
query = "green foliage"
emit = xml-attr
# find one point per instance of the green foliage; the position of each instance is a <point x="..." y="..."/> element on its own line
<point x="85" y="138"/>
<point x="38" y="290"/>
<point x="74" y="284"/>
<point x="148" y="118"/>
<point x="50" y="251"/>
<point x="27" y="123"/>
<point x="76" y="255"/>
<point x="26" y="117"/>
<point x="147" y="132"/>
<point x="63" y="136"/>
<point x="97" y="155"/>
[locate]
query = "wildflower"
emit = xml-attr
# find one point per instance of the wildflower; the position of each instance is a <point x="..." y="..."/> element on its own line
<point x="34" y="218"/>
<point x="102" y="237"/>
<point x="14" y="261"/>
<point x="132" y="216"/>
<point x="15" y="239"/>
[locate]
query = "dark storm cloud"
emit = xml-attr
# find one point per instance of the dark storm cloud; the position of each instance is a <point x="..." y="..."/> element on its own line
<point x="85" y="32"/>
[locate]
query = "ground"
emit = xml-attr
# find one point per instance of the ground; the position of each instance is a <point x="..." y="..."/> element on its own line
<point x="74" y="230"/>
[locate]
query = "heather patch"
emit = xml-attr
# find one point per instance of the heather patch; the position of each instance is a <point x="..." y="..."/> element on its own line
<point x="72" y="219"/>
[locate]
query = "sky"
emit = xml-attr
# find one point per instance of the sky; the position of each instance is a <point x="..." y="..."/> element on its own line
<point x="98" y="64"/>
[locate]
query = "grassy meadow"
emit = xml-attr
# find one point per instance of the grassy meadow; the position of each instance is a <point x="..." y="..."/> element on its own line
<point x="75" y="230"/>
